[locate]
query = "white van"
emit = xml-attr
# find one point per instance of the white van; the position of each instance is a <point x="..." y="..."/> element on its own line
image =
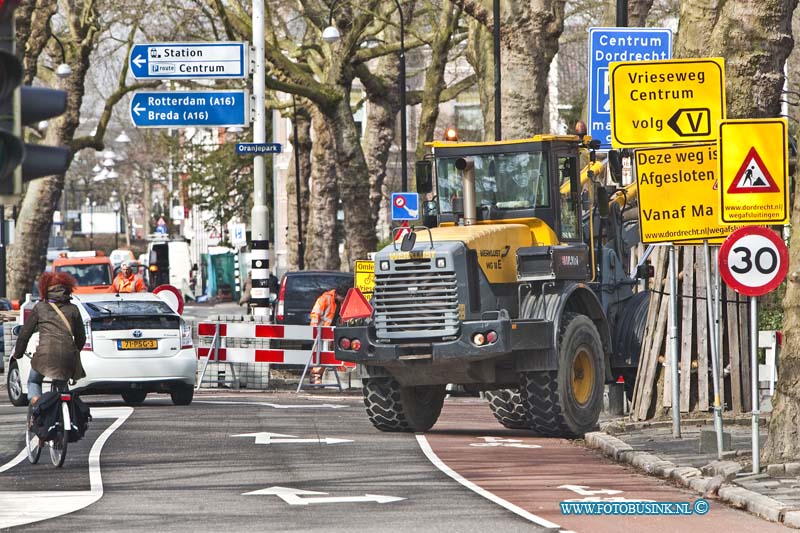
<point x="170" y="262"/>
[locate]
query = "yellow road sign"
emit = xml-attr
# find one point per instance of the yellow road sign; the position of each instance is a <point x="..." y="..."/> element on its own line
<point x="365" y="278"/>
<point x="678" y="200"/>
<point x="753" y="167"/>
<point x="666" y="102"/>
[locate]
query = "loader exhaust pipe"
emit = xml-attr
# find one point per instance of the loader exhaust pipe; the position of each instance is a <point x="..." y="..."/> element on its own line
<point x="467" y="168"/>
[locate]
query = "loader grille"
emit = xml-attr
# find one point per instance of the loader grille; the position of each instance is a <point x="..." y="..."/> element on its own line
<point x="415" y="300"/>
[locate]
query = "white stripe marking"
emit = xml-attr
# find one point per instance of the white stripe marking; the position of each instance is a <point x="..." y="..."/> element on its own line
<point x="438" y="463"/>
<point x="22" y="507"/>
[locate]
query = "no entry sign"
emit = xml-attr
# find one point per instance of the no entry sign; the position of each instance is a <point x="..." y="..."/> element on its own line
<point x="753" y="260"/>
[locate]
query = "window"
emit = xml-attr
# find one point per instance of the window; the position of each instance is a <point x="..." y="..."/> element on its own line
<point x="88" y="274"/>
<point x="504" y="181"/>
<point x="569" y="227"/>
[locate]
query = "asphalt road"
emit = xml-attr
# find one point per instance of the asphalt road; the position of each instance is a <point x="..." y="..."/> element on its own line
<point x="167" y="468"/>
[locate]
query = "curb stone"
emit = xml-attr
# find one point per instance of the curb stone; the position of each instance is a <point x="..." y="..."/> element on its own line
<point x="692" y="478"/>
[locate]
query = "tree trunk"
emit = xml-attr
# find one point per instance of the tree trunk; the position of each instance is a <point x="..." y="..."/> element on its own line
<point x="528" y="42"/>
<point x="782" y="444"/>
<point x="322" y="248"/>
<point x="302" y="153"/>
<point x="434" y="76"/>
<point x="28" y="254"/>
<point x="480" y="56"/>
<point x="754" y="61"/>
<point x="524" y="74"/>
<point x="381" y="86"/>
<point x="354" y="186"/>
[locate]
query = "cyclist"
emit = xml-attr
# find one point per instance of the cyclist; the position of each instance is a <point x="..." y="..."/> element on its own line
<point x="61" y="334"/>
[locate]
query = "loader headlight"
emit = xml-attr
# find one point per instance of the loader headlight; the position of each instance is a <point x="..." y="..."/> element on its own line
<point x="441" y="262"/>
<point x="479" y="339"/>
<point x="384" y="265"/>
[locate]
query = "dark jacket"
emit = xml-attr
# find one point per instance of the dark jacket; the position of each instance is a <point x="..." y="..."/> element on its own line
<point x="56" y="356"/>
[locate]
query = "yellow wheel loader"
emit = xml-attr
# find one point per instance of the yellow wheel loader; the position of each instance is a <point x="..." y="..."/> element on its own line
<point x="515" y="284"/>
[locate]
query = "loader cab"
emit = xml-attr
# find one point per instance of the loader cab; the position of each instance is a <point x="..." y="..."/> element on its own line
<point x="534" y="181"/>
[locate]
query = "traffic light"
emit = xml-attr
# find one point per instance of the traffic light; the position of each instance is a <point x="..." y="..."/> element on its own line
<point x="37" y="104"/>
<point x="32" y="105"/>
<point x="11" y="151"/>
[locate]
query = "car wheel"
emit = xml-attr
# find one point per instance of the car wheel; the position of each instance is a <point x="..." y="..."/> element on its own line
<point x="134" y="397"/>
<point x="182" y="395"/>
<point x="14" y="386"/>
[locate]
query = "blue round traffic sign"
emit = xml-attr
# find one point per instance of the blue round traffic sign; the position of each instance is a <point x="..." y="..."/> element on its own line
<point x="753" y="260"/>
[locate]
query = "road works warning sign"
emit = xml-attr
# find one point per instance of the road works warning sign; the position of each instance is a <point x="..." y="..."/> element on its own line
<point x="365" y="278"/>
<point x="753" y="168"/>
<point x="666" y="102"/>
<point x="678" y="200"/>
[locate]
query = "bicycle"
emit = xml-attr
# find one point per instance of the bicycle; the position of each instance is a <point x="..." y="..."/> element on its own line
<point x="58" y="444"/>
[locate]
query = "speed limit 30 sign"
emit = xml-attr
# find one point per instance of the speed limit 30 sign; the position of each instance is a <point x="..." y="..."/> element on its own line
<point x="753" y="260"/>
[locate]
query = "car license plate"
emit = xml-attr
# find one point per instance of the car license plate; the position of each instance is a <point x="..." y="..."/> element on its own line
<point x="137" y="344"/>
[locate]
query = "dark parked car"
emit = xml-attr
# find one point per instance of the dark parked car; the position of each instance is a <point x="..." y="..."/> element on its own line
<point x="298" y="291"/>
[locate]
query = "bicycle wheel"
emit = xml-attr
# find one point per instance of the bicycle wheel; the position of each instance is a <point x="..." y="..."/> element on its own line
<point x="58" y="446"/>
<point x="31" y="442"/>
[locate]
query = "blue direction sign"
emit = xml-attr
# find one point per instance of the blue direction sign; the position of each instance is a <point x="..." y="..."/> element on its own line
<point x="188" y="61"/>
<point x="617" y="44"/>
<point x="258" y="148"/>
<point x="175" y="109"/>
<point x="405" y="206"/>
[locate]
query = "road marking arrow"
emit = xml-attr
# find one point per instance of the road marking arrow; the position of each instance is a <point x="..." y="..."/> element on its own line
<point x="500" y="441"/>
<point x="293" y="496"/>
<point x="582" y="490"/>
<point x="20" y="507"/>
<point x="276" y="405"/>
<point x="138" y="110"/>
<point x="139" y="61"/>
<point x="279" y="438"/>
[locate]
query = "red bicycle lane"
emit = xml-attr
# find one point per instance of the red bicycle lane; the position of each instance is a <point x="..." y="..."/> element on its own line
<point x="533" y="475"/>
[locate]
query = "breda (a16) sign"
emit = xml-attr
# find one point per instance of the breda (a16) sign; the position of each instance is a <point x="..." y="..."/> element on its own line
<point x="753" y="260"/>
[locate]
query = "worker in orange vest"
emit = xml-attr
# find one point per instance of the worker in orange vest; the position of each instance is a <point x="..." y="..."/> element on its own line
<point x="323" y="313"/>
<point x="127" y="281"/>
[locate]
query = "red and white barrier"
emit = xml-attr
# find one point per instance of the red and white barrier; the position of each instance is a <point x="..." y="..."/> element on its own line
<point x="244" y="330"/>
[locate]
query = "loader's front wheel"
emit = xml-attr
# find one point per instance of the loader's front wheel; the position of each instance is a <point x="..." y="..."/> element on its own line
<point x="392" y="407"/>
<point x="507" y="408"/>
<point x="567" y="402"/>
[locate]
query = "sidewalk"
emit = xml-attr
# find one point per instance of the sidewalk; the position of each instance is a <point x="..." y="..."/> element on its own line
<point x="773" y="494"/>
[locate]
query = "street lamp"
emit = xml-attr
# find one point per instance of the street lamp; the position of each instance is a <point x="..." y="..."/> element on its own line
<point x="331" y="35"/>
<point x="115" y="206"/>
<point x="91" y="203"/>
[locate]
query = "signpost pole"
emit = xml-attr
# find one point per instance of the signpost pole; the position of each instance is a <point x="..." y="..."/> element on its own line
<point x="754" y="380"/>
<point x="260" y="213"/>
<point x="673" y="342"/>
<point x="714" y="351"/>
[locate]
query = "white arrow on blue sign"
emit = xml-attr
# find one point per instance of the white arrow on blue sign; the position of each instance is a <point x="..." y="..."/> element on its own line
<point x="405" y="206"/>
<point x="188" y="61"/>
<point x="175" y="109"/>
<point x="617" y="44"/>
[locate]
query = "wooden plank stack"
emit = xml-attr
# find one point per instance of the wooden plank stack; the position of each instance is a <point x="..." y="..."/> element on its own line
<point x="652" y="392"/>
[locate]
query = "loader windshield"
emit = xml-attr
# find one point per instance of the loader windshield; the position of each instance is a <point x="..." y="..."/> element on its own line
<point x="503" y="181"/>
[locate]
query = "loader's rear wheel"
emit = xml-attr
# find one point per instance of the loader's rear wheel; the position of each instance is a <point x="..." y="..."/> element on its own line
<point x="392" y="407"/>
<point x="567" y="402"/>
<point x="507" y="408"/>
